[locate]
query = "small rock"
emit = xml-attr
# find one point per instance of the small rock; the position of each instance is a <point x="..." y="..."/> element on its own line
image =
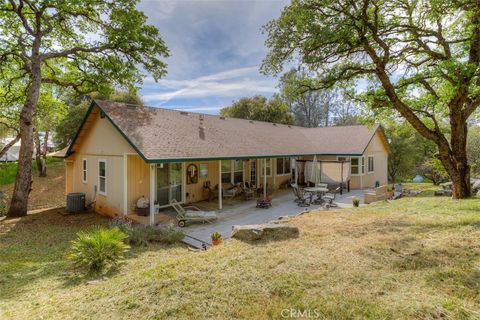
<point x="264" y="231"/>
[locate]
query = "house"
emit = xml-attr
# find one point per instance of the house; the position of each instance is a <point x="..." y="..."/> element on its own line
<point x="122" y="152"/>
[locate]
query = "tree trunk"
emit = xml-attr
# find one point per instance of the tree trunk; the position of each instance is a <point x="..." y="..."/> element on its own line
<point x="38" y="152"/>
<point x="23" y="180"/>
<point x="43" y="171"/>
<point x="9" y="145"/>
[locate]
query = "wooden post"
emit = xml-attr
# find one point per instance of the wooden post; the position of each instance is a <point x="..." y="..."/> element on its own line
<point x="152" y="195"/>
<point x="341" y="178"/>
<point x="265" y="178"/>
<point x="220" y="205"/>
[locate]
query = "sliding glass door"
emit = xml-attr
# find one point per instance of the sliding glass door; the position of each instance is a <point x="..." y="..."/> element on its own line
<point x="169" y="183"/>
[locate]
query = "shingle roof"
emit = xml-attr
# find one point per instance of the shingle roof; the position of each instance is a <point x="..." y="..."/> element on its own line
<point x="165" y="134"/>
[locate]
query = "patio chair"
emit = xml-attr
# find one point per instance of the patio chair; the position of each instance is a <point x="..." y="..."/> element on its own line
<point x="329" y="198"/>
<point x="248" y="191"/>
<point x="321" y="185"/>
<point x="192" y="214"/>
<point x="229" y="190"/>
<point x="302" y="200"/>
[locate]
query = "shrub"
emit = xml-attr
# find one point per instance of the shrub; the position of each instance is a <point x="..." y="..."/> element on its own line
<point x="98" y="247"/>
<point x="169" y="234"/>
<point x="356" y="201"/>
<point x="140" y="235"/>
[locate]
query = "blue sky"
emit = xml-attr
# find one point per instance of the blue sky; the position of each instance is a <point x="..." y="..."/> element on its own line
<point x="216" y="50"/>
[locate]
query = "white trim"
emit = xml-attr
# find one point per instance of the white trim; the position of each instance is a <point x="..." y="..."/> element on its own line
<point x="184" y="182"/>
<point x="220" y="205"/>
<point x="264" y="170"/>
<point x="361" y="167"/>
<point x="153" y="170"/>
<point x="104" y="193"/>
<point x="368" y="164"/>
<point x="85" y="170"/>
<point x="125" y="184"/>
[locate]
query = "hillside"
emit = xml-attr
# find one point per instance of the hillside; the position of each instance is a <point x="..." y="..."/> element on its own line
<point x="46" y="192"/>
<point x="415" y="258"/>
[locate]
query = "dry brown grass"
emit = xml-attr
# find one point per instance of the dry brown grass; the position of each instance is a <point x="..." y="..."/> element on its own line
<point x="47" y="192"/>
<point x="412" y="259"/>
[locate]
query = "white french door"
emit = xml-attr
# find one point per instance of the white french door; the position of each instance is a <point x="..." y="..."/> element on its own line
<point x="169" y="183"/>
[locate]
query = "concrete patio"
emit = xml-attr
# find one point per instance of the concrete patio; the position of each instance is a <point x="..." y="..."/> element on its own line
<point x="245" y="212"/>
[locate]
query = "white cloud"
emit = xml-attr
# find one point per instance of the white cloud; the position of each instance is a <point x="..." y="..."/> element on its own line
<point x="229" y="83"/>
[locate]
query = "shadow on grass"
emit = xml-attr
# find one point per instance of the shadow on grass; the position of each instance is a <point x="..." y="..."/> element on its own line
<point x="33" y="248"/>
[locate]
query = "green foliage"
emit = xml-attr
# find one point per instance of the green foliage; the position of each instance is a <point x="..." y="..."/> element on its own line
<point x="356" y="201"/>
<point x="140" y="235"/>
<point x="65" y="130"/>
<point x="433" y="170"/>
<point x="216" y="236"/>
<point x="417" y="60"/>
<point x="98" y="248"/>
<point x="259" y="108"/>
<point x="473" y="148"/>
<point x="408" y="150"/>
<point x="8" y="170"/>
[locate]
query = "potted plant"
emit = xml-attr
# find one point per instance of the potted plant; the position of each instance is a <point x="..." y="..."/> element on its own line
<point x="216" y="238"/>
<point x="356" y="201"/>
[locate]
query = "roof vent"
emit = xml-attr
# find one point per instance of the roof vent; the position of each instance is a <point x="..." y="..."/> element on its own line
<point x="274" y="124"/>
<point x="289" y="126"/>
<point x="131" y="106"/>
<point x="185" y="113"/>
<point x="251" y="121"/>
<point x="223" y="118"/>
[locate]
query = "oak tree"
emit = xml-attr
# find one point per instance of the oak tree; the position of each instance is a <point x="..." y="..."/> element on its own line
<point x="82" y="45"/>
<point x="418" y="59"/>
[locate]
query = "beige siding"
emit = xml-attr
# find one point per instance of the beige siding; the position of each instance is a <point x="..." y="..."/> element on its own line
<point x="101" y="141"/>
<point x="195" y="191"/>
<point x="138" y="181"/>
<point x="376" y="148"/>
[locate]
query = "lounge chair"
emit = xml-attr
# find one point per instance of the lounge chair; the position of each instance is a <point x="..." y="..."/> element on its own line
<point x="229" y="190"/>
<point x="378" y="194"/>
<point x="192" y="214"/>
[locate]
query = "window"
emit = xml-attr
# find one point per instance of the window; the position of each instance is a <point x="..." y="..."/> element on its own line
<point x="102" y="177"/>
<point x="237" y="171"/>
<point x="226" y="171"/>
<point x="283" y="166"/>
<point x="371" y="166"/>
<point x="84" y="170"/>
<point x="232" y="171"/>
<point x="357" y="166"/>
<point x="268" y="167"/>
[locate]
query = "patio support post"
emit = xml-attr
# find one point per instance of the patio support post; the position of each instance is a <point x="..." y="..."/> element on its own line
<point x="341" y="179"/>
<point x="265" y="177"/>
<point x="296" y="171"/>
<point x="219" y="184"/>
<point x="152" y="194"/>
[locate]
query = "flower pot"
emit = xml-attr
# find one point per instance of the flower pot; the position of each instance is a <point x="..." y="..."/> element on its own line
<point x="217" y="242"/>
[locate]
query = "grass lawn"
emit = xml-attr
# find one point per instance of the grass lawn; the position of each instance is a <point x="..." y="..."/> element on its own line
<point x="416" y="258"/>
<point x="46" y="192"/>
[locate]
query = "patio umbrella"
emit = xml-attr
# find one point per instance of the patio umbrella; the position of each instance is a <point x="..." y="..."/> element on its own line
<point x="315" y="172"/>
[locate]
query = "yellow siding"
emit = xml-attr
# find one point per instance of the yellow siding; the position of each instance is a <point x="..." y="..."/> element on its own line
<point x="376" y="148"/>
<point x="195" y="191"/>
<point x="138" y="181"/>
<point x="102" y="141"/>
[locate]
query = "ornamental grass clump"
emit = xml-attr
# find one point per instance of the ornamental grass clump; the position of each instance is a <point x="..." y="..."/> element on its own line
<point x="98" y="248"/>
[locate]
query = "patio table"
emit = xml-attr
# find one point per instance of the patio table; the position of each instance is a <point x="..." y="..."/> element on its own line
<point x="319" y="191"/>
